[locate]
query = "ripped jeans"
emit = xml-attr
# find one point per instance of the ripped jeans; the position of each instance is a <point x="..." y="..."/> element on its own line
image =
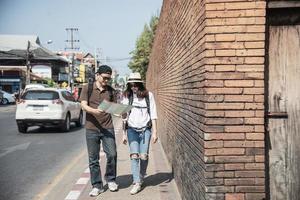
<point x="139" y="149"/>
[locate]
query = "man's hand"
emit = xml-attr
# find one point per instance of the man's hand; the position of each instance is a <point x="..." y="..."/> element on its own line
<point x="88" y="109"/>
<point x="95" y="111"/>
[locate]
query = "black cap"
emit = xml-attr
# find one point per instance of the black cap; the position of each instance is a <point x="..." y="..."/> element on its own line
<point x="104" y="69"/>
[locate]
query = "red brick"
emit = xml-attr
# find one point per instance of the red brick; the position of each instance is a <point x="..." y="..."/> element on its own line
<point x="235" y="166"/>
<point x="234" y="196"/>
<point x="225" y="68"/>
<point x="259" y="158"/>
<point x="230" y="151"/>
<point x="240" y="113"/>
<point x="224" y="174"/>
<point x="255" y="136"/>
<point x="253" y="174"/>
<point x="222" y="136"/>
<point x="255" y="196"/>
<point x="238" y="98"/>
<point x="234" y="159"/>
<point x="239" y="144"/>
<point x="239" y="83"/>
<point x="239" y="129"/>
<point x="213" y="144"/>
<point x="250" y="188"/>
<point x="254" y="120"/>
<point x="224" y="106"/>
<point x="239" y="181"/>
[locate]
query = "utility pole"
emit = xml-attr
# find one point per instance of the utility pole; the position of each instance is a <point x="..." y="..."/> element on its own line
<point x="96" y="64"/>
<point x="72" y="48"/>
<point x="97" y="53"/>
<point x="28" y="65"/>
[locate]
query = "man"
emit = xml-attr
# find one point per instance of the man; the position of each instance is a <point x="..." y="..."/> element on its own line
<point x="99" y="127"/>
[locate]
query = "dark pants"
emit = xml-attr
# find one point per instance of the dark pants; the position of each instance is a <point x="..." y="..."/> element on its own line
<point x="93" y="140"/>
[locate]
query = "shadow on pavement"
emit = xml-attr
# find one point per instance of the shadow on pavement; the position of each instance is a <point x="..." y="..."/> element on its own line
<point x="50" y="129"/>
<point x="125" y="181"/>
<point x="156" y="179"/>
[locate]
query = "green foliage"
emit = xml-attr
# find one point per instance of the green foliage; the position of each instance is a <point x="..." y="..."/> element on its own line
<point x="143" y="46"/>
<point x="51" y="83"/>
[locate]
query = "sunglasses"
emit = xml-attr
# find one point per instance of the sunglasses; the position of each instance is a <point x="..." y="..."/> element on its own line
<point x="105" y="78"/>
<point x="131" y="85"/>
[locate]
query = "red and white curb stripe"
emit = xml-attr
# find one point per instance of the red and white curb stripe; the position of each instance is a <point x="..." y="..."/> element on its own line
<point x="79" y="186"/>
<point x="81" y="183"/>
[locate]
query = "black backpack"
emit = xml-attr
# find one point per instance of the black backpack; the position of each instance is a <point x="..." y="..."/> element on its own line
<point x="90" y="90"/>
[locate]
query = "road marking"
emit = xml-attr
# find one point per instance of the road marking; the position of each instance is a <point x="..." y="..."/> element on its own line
<point x="60" y="176"/>
<point x="73" y="195"/>
<point x="15" y="148"/>
<point x="81" y="182"/>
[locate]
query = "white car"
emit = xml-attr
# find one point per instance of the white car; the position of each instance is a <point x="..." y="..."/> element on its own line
<point x="35" y="85"/>
<point x="48" y="106"/>
<point x="7" y="98"/>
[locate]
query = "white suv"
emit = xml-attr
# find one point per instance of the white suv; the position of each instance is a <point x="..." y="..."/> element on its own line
<point x="48" y="106"/>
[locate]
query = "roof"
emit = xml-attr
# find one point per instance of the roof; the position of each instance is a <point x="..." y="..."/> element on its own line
<point x="14" y="47"/>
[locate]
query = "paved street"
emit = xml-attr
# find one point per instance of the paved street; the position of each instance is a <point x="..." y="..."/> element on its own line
<point x="32" y="163"/>
<point x="47" y="164"/>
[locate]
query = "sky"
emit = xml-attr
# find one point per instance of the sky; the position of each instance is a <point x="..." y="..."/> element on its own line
<point x="108" y="27"/>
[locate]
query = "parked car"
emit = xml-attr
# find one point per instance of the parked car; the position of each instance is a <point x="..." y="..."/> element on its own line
<point x="48" y="106"/>
<point x="7" y="98"/>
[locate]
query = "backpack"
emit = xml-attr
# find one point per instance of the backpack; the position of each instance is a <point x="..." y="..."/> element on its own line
<point x="149" y="124"/>
<point x="90" y="90"/>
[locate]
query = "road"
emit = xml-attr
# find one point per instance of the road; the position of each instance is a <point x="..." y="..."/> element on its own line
<point x="35" y="163"/>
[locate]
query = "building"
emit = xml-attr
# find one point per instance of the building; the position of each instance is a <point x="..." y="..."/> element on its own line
<point x="16" y="51"/>
<point x="84" y="66"/>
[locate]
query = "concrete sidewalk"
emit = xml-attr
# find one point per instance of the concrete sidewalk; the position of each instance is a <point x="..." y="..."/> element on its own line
<point x="158" y="184"/>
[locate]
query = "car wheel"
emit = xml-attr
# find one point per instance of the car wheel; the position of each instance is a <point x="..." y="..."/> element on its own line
<point x="66" y="124"/>
<point x="22" y="128"/>
<point x="5" y="101"/>
<point x="80" y="120"/>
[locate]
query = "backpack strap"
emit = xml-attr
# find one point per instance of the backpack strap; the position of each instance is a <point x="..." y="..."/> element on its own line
<point x="90" y="90"/>
<point x="147" y="102"/>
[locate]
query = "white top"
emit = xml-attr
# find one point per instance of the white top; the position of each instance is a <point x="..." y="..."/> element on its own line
<point x="139" y="117"/>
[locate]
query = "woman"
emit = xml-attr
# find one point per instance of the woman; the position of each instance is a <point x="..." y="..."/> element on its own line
<point x="141" y="127"/>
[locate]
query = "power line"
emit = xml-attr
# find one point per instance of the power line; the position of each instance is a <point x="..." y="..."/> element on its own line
<point x="107" y="59"/>
<point x="72" y="41"/>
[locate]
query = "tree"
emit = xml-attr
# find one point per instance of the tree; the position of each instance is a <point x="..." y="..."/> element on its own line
<point x="143" y="46"/>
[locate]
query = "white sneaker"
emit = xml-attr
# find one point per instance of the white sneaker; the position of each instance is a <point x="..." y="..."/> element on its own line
<point x="112" y="186"/>
<point x="95" y="192"/>
<point x="136" y="188"/>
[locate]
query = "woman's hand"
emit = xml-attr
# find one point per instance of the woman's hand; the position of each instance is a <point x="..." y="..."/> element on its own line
<point x="154" y="137"/>
<point x="124" y="139"/>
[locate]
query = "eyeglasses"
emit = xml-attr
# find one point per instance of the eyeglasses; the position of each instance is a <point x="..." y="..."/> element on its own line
<point x="105" y="78"/>
<point x="133" y="85"/>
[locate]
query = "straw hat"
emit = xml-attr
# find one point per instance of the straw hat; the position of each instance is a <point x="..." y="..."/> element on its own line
<point x="134" y="78"/>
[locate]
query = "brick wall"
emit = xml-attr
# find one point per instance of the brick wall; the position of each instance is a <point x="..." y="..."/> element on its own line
<point x="207" y="73"/>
